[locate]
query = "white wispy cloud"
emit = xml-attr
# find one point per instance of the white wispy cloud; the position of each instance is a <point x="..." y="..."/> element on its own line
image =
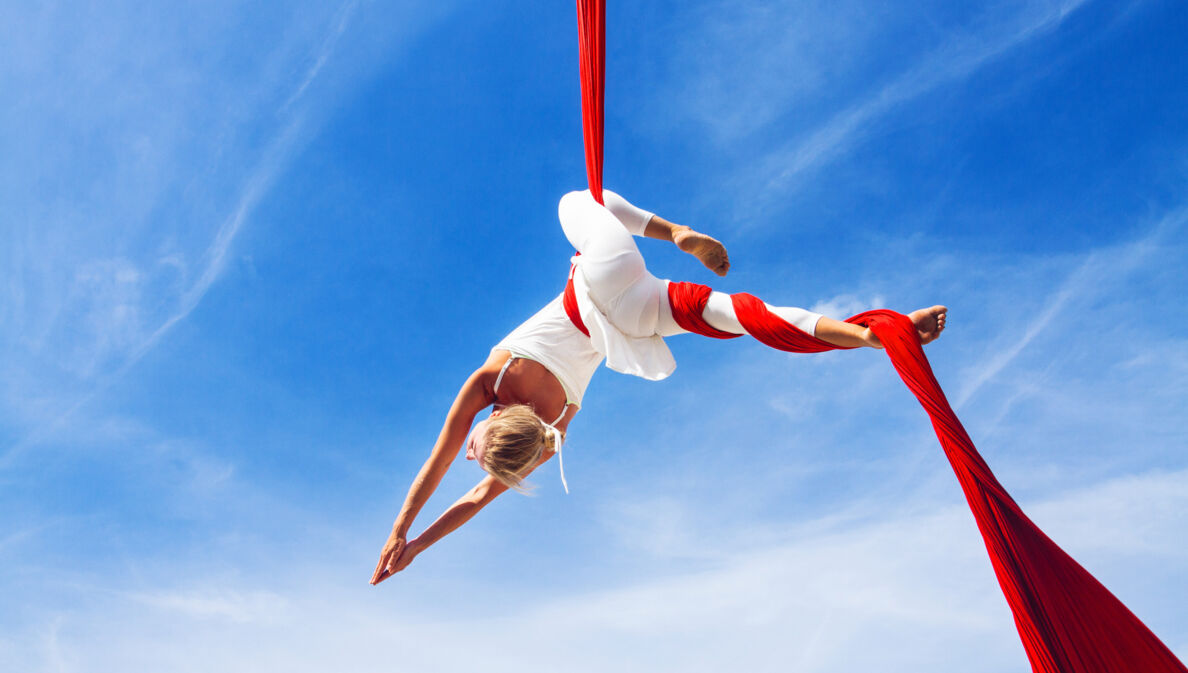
<point x="846" y="305"/>
<point x="215" y="257"/>
<point x="116" y="295"/>
<point x="790" y="53"/>
<point x="904" y="593"/>
<point x="1081" y="285"/>
<point x="952" y="62"/>
<point x="342" y="20"/>
<point x="216" y="603"/>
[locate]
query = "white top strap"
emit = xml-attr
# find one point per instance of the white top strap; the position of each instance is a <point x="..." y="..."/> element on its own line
<point x="558" y="420"/>
<point x="558" y="440"/>
<point x="499" y="379"/>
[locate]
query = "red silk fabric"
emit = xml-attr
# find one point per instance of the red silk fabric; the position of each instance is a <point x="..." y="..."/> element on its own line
<point x="591" y="16"/>
<point x="1068" y="621"/>
<point x="569" y="303"/>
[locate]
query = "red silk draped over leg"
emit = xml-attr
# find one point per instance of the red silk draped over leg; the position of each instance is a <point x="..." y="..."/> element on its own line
<point x="1068" y="621"/>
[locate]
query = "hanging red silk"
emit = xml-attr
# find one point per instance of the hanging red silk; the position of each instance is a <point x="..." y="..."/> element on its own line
<point x="592" y="65"/>
<point x="1068" y="621"/>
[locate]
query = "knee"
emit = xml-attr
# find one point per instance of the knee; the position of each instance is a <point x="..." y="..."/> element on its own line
<point x="576" y="211"/>
<point x="574" y="200"/>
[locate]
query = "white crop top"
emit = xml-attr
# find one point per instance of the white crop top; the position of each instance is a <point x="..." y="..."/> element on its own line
<point x="550" y="338"/>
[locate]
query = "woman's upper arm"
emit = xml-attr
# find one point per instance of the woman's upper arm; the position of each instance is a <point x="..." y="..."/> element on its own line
<point x="470" y="400"/>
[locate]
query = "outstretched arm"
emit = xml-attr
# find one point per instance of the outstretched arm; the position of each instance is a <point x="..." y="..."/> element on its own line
<point x="470" y="400"/>
<point x="457" y="514"/>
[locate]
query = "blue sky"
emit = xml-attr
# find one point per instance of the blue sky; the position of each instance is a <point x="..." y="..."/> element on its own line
<point x="251" y="252"/>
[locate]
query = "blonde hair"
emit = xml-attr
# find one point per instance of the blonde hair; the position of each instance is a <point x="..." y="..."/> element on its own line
<point x="516" y="439"/>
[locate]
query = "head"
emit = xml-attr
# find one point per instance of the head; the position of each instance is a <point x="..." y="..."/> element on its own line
<point x="508" y="444"/>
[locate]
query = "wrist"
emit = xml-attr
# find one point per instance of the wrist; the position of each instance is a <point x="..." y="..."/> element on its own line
<point x="414" y="547"/>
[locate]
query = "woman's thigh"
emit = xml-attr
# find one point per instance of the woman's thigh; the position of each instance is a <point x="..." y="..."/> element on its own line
<point x="610" y="260"/>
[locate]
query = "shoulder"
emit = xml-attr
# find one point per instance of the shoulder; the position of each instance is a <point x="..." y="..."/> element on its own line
<point x="483" y="379"/>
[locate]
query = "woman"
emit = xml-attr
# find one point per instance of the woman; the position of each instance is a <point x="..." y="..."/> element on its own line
<point x="535" y="377"/>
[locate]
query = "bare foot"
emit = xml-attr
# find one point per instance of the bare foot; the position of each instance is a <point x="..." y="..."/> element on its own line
<point x="705" y="248"/>
<point x="929" y="322"/>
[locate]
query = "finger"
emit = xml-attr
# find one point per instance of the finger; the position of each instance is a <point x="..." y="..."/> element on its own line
<point x="385" y="562"/>
<point x="380" y="569"/>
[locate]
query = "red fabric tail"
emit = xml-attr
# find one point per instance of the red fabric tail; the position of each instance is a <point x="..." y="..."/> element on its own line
<point x="591" y="16"/>
<point x="1068" y="621"/>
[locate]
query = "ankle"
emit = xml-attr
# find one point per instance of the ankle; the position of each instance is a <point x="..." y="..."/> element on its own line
<point x="679" y="231"/>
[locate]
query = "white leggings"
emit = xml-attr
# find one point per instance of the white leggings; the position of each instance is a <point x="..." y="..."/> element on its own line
<point x="634" y="300"/>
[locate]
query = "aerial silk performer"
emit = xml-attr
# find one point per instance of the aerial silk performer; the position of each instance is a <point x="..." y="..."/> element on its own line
<point x="613" y="309"/>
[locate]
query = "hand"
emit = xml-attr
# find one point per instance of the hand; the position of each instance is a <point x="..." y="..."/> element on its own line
<point x="709" y="250"/>
<point x="406" y="557"/>
<point x="390" y="558"/>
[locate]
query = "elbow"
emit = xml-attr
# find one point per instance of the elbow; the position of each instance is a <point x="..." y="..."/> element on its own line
<point x="486" y="491"/>
<point x="481" y="494"/>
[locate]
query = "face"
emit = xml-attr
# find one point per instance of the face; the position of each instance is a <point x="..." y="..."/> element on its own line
<point x="478" y="431"/>
<point x="476" y="440"/>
